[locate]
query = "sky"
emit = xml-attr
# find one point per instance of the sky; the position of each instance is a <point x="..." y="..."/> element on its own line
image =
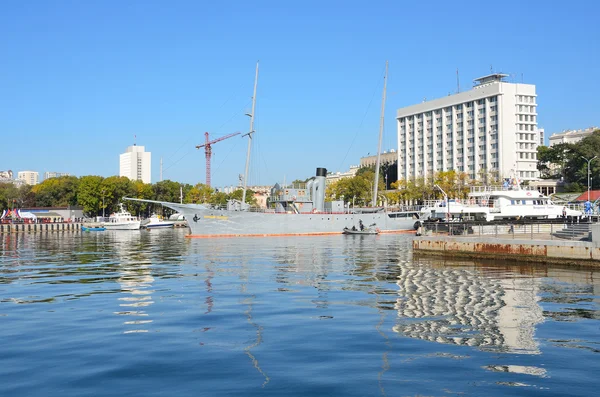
<point x="80" y="81"/>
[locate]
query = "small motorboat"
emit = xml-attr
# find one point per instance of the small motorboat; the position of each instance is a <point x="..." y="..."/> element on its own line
<point x="157" y="222"/>
<point x="361" y="230"/>
<point x="92" y="229"/>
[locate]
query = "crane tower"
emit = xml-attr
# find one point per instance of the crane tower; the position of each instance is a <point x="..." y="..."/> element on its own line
<point x="208" y="151"/>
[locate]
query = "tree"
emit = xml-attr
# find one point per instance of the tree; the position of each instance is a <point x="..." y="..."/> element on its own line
<point x="219" y="199"/>
<point x="167" y="191"/>
<point x="53" y="192"/>
<point x="115" y="188"/>
<point x="200" y="193"/>
<point x="89" y="194"/>
<point x="9" y="194"/>
<point x="237" y="195"/>
<point x="143" y="190"/>
<point x="552" y="160"/>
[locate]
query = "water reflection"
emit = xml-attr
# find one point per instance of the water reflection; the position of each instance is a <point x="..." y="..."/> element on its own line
<point x="131" y="259"/>
<point x="135" y="277"/>
<point x="464" y="307"/>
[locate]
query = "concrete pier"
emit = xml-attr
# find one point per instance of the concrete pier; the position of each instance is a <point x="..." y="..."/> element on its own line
<point x="39" y="227"/>
<point x="575" y="253"/>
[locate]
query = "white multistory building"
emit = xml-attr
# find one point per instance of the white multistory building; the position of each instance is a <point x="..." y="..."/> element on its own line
<point x="29" y="177"/>
<point x="490" y="130"/>
<point x="48" y="175"/>
<point x="135" y="164"/>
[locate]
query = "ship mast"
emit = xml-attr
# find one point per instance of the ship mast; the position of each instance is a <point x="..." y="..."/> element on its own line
<point x="376" y="181"/>
<point x="250" y="137"/>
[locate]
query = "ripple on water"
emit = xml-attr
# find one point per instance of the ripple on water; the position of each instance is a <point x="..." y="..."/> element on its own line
<point x="158" y="314"/>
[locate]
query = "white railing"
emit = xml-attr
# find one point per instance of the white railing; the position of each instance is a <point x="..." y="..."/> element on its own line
<point x="490" y="188"/>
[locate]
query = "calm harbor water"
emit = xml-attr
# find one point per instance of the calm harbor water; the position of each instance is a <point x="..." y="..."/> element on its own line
<point x="155" y="314"/>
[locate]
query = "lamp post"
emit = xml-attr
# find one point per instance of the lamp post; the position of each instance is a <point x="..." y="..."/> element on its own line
<point x="103" y="204"/>
<point x="588" y="173"/>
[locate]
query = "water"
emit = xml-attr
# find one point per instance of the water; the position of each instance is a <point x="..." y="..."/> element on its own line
<point x="155" y="314"/>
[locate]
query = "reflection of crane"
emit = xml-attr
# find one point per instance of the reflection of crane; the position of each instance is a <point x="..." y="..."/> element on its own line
<point x="208" y="151"/>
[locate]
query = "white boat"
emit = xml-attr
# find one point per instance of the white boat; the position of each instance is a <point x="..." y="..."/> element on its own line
<point x="157" y="222"/>
<point x="122" y="220"/>
<point x="493" y="203"/>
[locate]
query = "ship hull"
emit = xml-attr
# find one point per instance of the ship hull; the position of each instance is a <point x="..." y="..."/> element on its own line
<point x="204" y="222"/>
<point x="122" y="226"/>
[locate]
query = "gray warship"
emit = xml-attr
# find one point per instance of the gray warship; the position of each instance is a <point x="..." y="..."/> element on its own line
<point x="295" y="210"/>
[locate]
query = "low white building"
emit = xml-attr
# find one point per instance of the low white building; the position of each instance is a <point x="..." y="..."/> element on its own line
<point x="48" y="175"/>
<point x="571" y="136"/>
<point x="336" y="176"/>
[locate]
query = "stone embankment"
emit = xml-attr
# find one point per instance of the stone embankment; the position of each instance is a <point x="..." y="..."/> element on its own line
<point x="39" y="227"/>
<point x="575" y="253"/>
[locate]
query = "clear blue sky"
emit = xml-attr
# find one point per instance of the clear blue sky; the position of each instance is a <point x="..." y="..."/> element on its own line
<point x="78" y="79"/>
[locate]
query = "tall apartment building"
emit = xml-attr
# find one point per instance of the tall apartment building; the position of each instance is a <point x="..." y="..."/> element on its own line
<point x="48" y="175"/>
<point x="135" y="164"/>
<point x="29" y="177"/>
<point x="571" y="136"/>
<point x="490" y="129"/>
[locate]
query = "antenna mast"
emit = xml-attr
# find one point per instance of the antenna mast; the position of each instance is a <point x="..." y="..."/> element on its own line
<point x="161" y="168"/>
<point x="457" y="82"/>
<point x="251" y="115"/>
<point x="376" y="181"/>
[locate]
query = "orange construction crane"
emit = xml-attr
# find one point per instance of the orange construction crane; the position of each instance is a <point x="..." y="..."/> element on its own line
<point x="208" y="151"/>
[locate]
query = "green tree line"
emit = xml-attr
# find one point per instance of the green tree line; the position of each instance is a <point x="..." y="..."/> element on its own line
<point x="569" y="161"/>
<point x="359" y="189"/>
<point x="98" y="195"/>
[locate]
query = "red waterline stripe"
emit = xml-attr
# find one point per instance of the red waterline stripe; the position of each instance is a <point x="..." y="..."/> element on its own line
<point x="288" y="234"/>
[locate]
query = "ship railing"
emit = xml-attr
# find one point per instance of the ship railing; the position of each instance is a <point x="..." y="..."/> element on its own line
<point x="470" y="202"/>
<point x="406" y="208"/>
<point x="490" y="188"/>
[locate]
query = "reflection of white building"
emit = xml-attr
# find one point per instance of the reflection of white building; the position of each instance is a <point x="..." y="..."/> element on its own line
<point x="461" y="306"/>
<point x="135" y="279"/>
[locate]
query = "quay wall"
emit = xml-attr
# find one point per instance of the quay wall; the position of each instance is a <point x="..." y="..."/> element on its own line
<point x="575" y="253"/>
<point x="39" y="227"/>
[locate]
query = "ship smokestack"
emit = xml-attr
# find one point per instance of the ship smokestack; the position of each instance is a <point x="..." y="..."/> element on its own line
<point x="309" y="188"/>
<point x="319" y="197"/>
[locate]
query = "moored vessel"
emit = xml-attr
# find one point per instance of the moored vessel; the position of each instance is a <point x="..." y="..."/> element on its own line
<point x="156" y="222"/>
<point x="494" y="203"/>
<point x="122" y="220"/>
